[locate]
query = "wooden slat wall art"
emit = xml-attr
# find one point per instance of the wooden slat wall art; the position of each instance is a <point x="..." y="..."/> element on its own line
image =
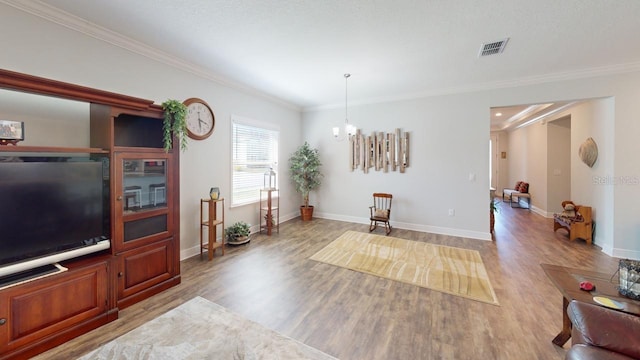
<point x="374" y="152"/>
<point x="399" y="151"/>
<point x="355" y="153"/>
<point x="392" y="151"/>
<point x="362" y="152"/>
<point x="385" y="152"/>
<point x="360" y="147"/>
<point x="382" y="152"/>
<point x="379" y="151"/>
<point x="406" y="150"/>
<point x="367" y="154"/>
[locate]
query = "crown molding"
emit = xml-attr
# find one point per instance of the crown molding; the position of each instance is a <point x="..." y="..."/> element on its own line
<point x="494" y="85"/>
<point x="57" y="16"/>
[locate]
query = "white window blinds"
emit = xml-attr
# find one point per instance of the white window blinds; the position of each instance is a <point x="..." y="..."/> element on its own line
<point x="255" y="150"/>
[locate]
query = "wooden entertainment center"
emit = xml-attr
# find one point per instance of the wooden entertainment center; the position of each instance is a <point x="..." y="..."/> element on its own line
<point x="145" y="225"/>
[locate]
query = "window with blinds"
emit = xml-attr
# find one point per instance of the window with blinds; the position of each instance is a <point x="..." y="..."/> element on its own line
<point x="255" y="150"/>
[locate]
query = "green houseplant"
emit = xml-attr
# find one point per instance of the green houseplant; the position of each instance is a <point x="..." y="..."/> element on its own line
<point x="493" y="208"/>
<point x="175" y="113"/>
<point x="238" y="233"/>
<point x="304" y="168"/>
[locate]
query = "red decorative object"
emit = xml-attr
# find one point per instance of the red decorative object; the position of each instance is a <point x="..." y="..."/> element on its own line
<point x="524" y="187"/>
<point x="8" y="142"/>
<point x="586" y="286"/>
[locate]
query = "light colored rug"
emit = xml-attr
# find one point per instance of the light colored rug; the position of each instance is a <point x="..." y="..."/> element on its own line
<point x="447" y="269"/>
<point x="200" y="329"/>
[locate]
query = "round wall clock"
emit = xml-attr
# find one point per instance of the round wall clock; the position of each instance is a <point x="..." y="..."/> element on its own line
<point x="200" y="119"/>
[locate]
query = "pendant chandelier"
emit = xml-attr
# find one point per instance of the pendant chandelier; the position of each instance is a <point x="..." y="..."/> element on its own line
<point x="349" y="129"/>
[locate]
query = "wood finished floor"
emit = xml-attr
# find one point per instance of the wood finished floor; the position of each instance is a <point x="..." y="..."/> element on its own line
<point x="352" y="315"/>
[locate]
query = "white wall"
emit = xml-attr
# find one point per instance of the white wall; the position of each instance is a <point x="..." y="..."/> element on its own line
<point x="537" y="165"/>
<point x="38" y="47"/>
<point x="449" y="136"/>
<point x="449" y="141"/>
<point x="502" y="164"/>
<point x="623" y="166"/>
<point x="558" y="164"/>
<point x="65" y="121"/>
<point x="588" y="186"/>
<point x="528" y="162"/>
<point x="518" y="151"/>
<point x="440" y="165"/>
<point x="595" y="186"/>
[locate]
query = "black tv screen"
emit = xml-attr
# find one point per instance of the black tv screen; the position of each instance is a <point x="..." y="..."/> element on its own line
<point x="51" y="204"/>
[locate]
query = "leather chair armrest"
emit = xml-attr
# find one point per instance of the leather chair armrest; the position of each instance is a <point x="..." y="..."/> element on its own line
<point x="586" y="352"/>
<point x="605" y="328"/>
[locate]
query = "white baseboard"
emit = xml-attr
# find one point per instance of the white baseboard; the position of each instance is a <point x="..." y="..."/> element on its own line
<point x="416" y="227"/>
<point x="618" y="253"/>
<point x="624" y="254"/>
<point x="541" y="212"/>
<point x="195" y="250"/>
<point x="190" y="252"/>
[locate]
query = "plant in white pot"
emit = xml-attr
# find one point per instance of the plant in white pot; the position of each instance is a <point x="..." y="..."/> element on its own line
<point x="238" y="233"/>
<point x="304" y="168"/>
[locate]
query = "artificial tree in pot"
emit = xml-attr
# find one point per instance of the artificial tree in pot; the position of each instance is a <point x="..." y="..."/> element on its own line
<point x="304" y="169"/>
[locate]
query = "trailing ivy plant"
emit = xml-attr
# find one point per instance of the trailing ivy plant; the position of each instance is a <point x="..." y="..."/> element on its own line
<point x="175" y="114"/>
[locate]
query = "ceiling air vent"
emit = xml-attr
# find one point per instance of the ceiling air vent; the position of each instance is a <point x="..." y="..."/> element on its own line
<point x="493" y="48"/>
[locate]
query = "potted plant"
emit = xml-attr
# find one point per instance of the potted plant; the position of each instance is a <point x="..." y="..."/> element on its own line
<point x="493" y="208"/>
<point x="238" y="233"/>
<point x="175" y="114"/>
<point x="304" y="168"/>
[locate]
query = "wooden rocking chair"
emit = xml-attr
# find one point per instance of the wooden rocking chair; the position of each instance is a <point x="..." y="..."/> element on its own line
<point x="380" y="211"/>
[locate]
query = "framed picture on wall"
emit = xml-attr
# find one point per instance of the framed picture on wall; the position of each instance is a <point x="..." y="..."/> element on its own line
<point x="11" y="130"/>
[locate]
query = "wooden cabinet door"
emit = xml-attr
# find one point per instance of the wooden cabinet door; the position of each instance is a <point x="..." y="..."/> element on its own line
<point x="143" y="269"/>
<point x="52" y="306"/>
<point x="144" y="201"/>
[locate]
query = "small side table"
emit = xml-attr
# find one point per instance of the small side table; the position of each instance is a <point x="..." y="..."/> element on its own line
<point x="155" y="189"/>
<point x="567" y="281"/>
<point x="269" y="210"/>
<point x="213" y="219"/>
<point x="135" y="193"/>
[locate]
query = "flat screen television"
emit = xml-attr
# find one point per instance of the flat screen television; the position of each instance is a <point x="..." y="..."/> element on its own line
<point x="54" y="207"/>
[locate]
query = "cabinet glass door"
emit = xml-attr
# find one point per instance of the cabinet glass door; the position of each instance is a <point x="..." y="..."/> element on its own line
<point x="144" y="184"/>
<point x="143" y="208"/>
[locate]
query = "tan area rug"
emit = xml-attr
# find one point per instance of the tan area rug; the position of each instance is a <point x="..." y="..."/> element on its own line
<point x="200" y="329"/>
<point x="447" y="269"/>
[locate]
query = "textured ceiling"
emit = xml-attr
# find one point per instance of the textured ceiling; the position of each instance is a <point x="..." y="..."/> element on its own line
<point x="298" y="51"/>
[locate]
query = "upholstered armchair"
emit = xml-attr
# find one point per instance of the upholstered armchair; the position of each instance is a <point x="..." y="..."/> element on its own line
<point x="600" y="333"/>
